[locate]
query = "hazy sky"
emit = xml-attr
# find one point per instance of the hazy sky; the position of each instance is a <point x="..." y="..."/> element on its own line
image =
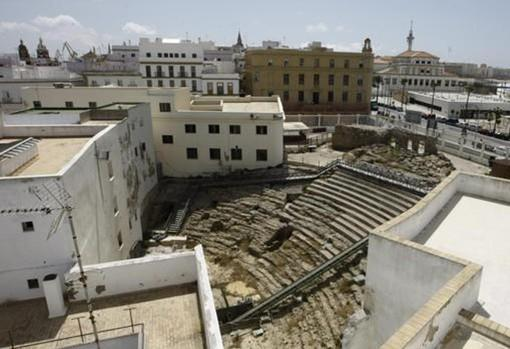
<point x="475" y="31"/>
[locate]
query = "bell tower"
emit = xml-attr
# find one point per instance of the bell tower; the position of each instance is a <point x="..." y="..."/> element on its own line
<point x="410" y="38"/>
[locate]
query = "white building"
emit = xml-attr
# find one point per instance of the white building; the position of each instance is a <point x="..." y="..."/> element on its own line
<point x="171" y="63"/>
<point x="192" y="136"/>
<point x="453" y="105"/>
<point x="100" y="162"/>
<point x="418" y="71"/>
<point x="14" y="77"/>
<point x="113" y="78"/>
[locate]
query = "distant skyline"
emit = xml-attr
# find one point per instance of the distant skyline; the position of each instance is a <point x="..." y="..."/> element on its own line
<point x="456" y="30"/>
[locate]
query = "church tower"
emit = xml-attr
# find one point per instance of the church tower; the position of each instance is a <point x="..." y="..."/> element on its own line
<point x="410" y="38"/>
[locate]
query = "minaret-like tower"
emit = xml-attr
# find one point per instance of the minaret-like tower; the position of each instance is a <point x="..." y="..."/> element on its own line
<point x="410" y="38"/>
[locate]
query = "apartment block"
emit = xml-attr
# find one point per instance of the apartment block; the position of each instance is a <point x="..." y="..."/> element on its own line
<point x="315" y="79"/>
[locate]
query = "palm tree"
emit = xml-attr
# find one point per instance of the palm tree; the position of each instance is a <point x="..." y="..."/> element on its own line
<point x="469" y="89"/>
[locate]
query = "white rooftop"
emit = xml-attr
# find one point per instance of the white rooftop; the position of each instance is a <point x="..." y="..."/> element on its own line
<point x="477" y="230"/>
<point x="462" y="97"/>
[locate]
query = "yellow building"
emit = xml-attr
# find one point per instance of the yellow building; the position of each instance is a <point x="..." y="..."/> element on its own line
<point x="315" y="79"/>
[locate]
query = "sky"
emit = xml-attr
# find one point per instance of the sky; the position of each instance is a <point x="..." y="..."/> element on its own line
<point x="475" y="31"/>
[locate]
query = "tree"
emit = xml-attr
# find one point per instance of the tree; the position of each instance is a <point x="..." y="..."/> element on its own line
<point x="495" y="116"/>
<point x="469" y="89"/>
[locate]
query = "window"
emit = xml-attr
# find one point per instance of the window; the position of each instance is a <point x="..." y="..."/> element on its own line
<point x="347" y="64"/>
<point x="214" y="129"/>
<point x="148" y="54"/>
<point x="269" y="62"/>
<point x="193" y="85"/>
<point x="359" y="97"/>
<point x="119" y="239"/>
<point x="286" y="62"/>
<point x="316" y="79"/>
<point x="301" y="96"/>
<point x="331" y="96"/>
<point x="236" y="154"/>
<point x="261" y="154"/>
<point x="230" y="88"/>
<point x="360" y="65"/>
<point x="193" y="55"/>
<point x="345" y="96"/>
<point x="110" y="170"/>
<point x="235" y="129"/>
<point x="183" y="55"/>
<point x="270" y="93"/>
<point x="160" y="55"/>
<point x="165" y="54"/>
<point x="171" y="71"/>
<point x="190" y="128"/>
<point x="286" y="96"/>
<point x="164" y="107"/>
<point x="27" y="226"/>
<point x="133" y="55"/>
<point x="37" y="104"/>
<point x="301" y="79"/>
<point x="167" y="139"/>
<point x="115" y="207"/>
<point x="183" y="83"/>
<point x="346" y="80"/>
<point x="120" y="82"/>
<point x="159" y="71"/>
<point x="149" y="83"/>
<point x="92" y="105"/>
<point x="107" y="82"/>
<point x="193" y="71"/>
<point x="33" y="283"/>
<point x="261" y="130"/>
<point x="192" y="153"/>
<point x="160" y="83"/>
<point x="148" y="71"/>
<point x="285" y="79"/>
<point x="210" y="88"/>
<point x="360" y="82"/>
<point x="182" y="71"/>
<point x="214" y="154"/>
<point x="219" y="89"/>
<point x="301" y="62"/>
<point x="331" y="79"/>
<point x="94" y="83"/>
<point x="172" y="83"/>
<point x="316" y="63"/>
<point x="315" y="98"/>
<point x="331" y="63"/>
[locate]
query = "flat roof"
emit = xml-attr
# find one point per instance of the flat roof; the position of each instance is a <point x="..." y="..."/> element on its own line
<point x="54" y="153"/>
<point x="295" y="126"/>
<point x="476" y="229"/>
<point x="251" y="107"/>
<point x="50" y="111"/>
<point x="170" y="315"/>
<point x="461" y="97"/>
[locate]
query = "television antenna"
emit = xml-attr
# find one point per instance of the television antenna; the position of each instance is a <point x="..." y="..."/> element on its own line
<point x="54" y="197"/>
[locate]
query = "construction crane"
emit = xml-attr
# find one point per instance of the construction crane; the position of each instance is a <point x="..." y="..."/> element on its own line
<point x="67" y="47"/>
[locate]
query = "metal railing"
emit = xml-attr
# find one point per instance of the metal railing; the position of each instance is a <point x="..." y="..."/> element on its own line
<point x="82" y="338"/>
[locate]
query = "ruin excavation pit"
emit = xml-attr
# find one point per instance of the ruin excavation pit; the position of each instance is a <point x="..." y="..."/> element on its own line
<point x="260" y="238"/>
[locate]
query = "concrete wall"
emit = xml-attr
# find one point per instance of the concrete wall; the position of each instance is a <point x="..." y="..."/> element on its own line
<point x="52" y="131"/>
<point x="132" y="275"/>
<point x="207" y="308"/>
<point x="400" y="280"/>
<point x="42" y="119"/>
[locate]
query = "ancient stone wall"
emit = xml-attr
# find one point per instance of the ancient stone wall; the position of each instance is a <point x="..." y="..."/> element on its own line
<point x="355" y="136"/>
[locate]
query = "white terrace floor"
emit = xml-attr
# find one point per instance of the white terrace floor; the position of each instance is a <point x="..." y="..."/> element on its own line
<point x="478" y="230"/>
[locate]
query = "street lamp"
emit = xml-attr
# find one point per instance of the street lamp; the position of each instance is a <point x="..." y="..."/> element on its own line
<point x="433" y="84"/>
